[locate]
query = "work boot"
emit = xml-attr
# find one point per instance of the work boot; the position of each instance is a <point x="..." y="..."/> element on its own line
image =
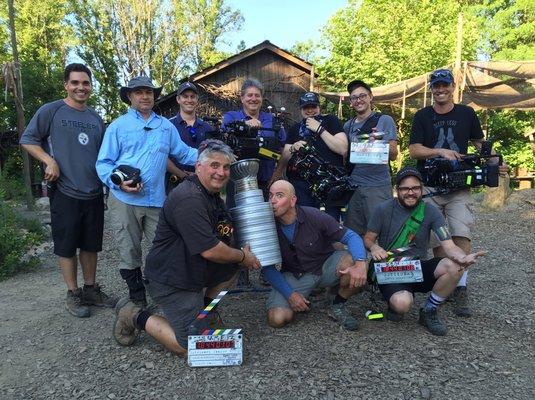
<point x="94" y="296"/>
<point x="393" y="316"/>
<point x="341" y="314"/>
<point x="460" y="298"/>
<point x="75" y="305"/>
<point x="124" y="330"/>
<point x="429" y="319"/>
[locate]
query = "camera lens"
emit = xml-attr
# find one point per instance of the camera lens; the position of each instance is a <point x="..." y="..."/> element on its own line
<point x="117" y="177"/>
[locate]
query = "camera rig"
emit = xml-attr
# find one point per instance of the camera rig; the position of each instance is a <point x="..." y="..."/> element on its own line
<point x="328" y="183"/>
<point x="472" y="170"/>
<point x="244" y="139"/>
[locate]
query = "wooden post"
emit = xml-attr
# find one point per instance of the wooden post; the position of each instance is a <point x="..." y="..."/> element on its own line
<point x="17" y="96"/>
<point x="311" y="87"/>
<point x="458" y="55"/>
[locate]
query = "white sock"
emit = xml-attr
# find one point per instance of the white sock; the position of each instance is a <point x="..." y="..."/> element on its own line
<point x="462" y="282"/>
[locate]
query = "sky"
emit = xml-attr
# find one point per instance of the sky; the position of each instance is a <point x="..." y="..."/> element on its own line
<point x="282" y="22"/>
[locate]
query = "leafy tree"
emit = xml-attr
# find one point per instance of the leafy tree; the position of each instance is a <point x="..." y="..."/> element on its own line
<point x="305" y="50"/>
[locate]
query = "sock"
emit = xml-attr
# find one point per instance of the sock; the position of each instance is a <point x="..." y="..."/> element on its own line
<point x="339" y="299"/>
<point x="462" y="282"/>
<point x="433" y="301"/>
<point x="141" y="319"/>
<point x="207" y="300"/>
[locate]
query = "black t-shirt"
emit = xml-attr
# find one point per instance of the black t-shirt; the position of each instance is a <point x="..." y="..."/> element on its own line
<point x="452" y="130"/>
<point x="331" y="124"/>
<point x="191" y="221"/>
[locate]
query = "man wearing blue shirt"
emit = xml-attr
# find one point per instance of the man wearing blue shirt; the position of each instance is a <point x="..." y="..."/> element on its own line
<point x="191" y="128"/>
<point x="139" y="139"/>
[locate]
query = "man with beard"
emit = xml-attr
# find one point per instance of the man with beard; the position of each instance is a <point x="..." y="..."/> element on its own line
<point x="393" y="226"/>
<point x="330" y="142"/>
<point x="444" y="130"/>
<point x="191" y="259"/>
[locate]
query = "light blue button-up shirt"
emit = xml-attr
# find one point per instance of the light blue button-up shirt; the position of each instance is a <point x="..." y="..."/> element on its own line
<point x="145" y="144"/>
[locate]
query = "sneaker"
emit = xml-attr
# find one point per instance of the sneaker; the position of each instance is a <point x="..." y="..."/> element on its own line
<point x="94" y="296"/>
<point x="430" y="320"/>
<point x="75" y="304"/>
<point x="124" y="327"/>
<point x="263" y="280"/>
<point x="340" y="313"/>
<point x="393" y="316"/>
<point x="460" y="297"/>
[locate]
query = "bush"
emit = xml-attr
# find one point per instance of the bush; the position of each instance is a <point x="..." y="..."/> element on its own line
<point x="17" y="236"/>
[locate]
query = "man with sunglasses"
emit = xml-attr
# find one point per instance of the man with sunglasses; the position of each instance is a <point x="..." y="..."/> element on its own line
<point x="191" y="128"/>
<point x="372" y="178"/>
<point x="191" y="259"/>
<point x="445" y="129"/>
<point x="144" y="140"/>
<point x="392" y="226"/>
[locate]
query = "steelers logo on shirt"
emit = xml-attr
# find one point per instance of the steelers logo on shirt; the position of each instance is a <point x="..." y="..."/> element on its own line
<point x="83" y="138"/>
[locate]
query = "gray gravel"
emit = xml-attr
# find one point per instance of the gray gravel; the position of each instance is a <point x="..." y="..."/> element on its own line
<point x="47" y="354"/>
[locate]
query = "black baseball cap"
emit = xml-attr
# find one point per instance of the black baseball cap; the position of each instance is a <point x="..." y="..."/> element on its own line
<point x="309" y="98"/>
<point x="441" y="75"/>
<point x="408" y="171"/>
<point x="186" y="86"/>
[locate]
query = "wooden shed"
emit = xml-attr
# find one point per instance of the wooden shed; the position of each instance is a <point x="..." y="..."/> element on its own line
<point x="284" y="76"/>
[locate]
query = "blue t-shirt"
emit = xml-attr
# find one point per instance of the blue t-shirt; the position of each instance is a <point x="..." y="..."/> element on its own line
<point x="192" y="135"/>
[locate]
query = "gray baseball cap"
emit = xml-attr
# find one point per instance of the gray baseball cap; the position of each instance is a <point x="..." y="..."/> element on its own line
<point x="139" y="82"/>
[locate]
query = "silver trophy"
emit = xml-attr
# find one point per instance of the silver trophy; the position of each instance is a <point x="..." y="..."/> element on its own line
<point x="252" y="217"/>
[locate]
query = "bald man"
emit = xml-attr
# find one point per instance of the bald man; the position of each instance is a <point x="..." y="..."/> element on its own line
<point x="309" y="260"/>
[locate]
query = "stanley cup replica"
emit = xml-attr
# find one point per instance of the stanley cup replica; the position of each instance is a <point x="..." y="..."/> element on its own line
<point x="252" y="217"/>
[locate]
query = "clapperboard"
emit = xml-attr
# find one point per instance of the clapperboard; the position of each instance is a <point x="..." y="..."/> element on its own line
<point x="364" y="151"/>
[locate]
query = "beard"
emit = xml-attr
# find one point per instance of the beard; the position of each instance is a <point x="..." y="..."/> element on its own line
<point x="410" y="206"/>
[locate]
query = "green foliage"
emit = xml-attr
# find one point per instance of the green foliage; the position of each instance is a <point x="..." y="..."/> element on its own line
<point x="17" y="236"/>
<point x="305" y="50"/>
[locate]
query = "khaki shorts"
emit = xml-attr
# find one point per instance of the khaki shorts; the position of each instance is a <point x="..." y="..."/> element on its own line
<point x="454" y="207"/>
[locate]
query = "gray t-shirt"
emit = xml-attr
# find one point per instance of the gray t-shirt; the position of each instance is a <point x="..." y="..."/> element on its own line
<point x="73" y="138"/>
<point x="388" y="218"/>
<point x="371" y="174"/>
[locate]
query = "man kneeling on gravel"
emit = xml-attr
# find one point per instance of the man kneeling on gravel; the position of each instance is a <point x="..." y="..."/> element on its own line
<point x="188" y="255"/>
<point x="309" y="260"/>
<point x="406" y="222"/>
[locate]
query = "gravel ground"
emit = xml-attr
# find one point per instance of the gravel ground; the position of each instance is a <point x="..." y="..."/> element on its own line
<point x="47" y="354"/>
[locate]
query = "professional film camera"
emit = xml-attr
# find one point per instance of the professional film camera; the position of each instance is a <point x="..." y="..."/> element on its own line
<point x="328" y="183"/>
<point x="244" y="140"/>
<point x="471" y="170"/>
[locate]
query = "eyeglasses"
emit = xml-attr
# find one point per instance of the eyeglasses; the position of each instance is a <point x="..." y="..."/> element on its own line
<point x="360" y="97"/>
<point x="444" y="73"/>
<point x="407" y="189"/>
<point x="211" y="144"/>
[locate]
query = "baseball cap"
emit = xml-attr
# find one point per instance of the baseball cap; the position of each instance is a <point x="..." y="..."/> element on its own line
<point x="186" y="86"/>
<point x="408" y="171"/>
<point x="441" y="75"/>
<point x="309" y="98"/>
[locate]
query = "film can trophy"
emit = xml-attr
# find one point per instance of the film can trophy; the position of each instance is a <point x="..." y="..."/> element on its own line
<point x="254" y="224"/>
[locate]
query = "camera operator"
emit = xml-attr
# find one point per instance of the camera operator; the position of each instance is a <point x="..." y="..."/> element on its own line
<point x="331" y="144"/>
<point x="444" y="130"/>
<point x="373" y="180"/>
<point x="190" y="252"/>
<point x="251" y="99"/>
<point x="140" y="140"/>
<point x="191" y="128"/>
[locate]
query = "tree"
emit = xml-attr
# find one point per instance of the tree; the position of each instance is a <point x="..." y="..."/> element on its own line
<point x="305" y="50"/>
<point x="384" y="41"/>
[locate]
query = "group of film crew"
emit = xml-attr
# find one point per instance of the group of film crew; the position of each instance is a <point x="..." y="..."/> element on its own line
<point x="191" y="260"/>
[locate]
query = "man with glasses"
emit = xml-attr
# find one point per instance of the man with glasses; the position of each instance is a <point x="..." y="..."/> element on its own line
<point x="143" y="140"/>
<point x="330" y="142"/>
<point x="407" y="222"/>
<point x="191" y="128"/>
<point x="444" y="129"/>
<point x="191" y="253"/>
<point x="370" y="174"/>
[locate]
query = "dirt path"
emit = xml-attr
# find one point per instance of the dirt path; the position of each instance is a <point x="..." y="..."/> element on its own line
<point x="47" y="354"/>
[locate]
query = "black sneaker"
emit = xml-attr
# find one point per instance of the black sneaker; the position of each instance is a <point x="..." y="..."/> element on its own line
<point x="94" y="296"/>
<point x="393" y="316"/>
<point x="460" y="298"/>
<point x="429" y="319"/>
<point x="75" y="304"/>
<point x="341" y="314"/>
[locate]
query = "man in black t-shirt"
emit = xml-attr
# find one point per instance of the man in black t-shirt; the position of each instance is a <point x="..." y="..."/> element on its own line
<point x="331" y="144"/>
<point x="191" y="251"/>
<point x="444" y="130"/>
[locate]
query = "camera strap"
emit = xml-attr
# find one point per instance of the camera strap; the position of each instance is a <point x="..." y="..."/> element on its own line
<point x="366" y="128"/>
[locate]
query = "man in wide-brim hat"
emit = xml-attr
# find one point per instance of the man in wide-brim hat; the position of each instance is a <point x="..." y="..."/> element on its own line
<point x="143" y="140"/>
